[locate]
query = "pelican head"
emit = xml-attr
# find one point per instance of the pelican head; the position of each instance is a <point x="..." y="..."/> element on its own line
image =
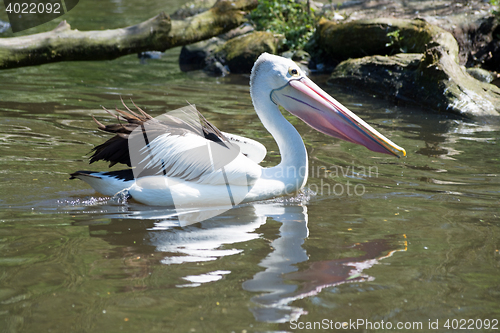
<point x="288" y="86"/>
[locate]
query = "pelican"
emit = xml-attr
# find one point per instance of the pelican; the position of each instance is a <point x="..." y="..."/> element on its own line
<point x="181" y="165"/>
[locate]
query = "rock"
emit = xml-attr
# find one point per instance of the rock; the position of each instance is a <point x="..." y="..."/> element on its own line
<point x="433" y="80"/>
<point x="201" y="55"/>
<point x="301" y="56"/>
<point x="409" y="60"/>
<point x="471" y="22"/>
<point x="384" y="75"/>
<point x="240" y="53"/>
<point x="452" y="89"/>
<point x="298" y="56"/>
<point x="341" y="41"/>
<point x="235" y="51"/>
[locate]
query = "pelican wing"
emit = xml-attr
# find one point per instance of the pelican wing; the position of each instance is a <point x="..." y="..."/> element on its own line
<point x="180" y="144"/>
<point x="252" y="149"/>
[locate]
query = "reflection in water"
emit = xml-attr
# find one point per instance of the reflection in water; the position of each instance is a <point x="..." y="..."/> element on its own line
<point x="319" y="275"/>
<point x="50" y="270"/>
<point x="211" y="239"/>
<point x="273" y="305"/>
<point x="202" y="243"/>
<point x="439" y="137"/>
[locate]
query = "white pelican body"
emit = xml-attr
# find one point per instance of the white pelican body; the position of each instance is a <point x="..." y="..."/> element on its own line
<point x="182" y="178"/>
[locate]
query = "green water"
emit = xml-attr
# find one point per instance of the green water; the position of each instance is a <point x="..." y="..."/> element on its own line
<point x="417" y="239"/>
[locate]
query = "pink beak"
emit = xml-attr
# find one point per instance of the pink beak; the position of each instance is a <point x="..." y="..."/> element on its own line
<point x="305" y="100"/>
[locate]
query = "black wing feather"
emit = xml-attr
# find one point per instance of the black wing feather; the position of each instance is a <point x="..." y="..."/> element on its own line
<point x="115" y="150"/>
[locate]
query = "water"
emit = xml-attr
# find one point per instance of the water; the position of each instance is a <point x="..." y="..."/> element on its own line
<point x="411" y="240"/>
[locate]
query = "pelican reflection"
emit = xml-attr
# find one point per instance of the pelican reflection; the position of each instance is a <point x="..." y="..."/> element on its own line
<point x="280" y="282"/>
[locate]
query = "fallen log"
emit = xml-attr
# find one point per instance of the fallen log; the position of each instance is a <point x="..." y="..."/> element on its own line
<point x="156" y="34"/>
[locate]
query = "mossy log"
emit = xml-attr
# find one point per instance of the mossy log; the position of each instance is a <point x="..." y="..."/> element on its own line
<point x="156" y="34"/>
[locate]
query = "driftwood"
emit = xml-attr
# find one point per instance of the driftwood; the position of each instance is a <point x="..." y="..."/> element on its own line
<point x="156" y="34"/>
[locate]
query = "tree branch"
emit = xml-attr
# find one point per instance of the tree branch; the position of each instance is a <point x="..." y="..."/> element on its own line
<point x="156" y="34"/>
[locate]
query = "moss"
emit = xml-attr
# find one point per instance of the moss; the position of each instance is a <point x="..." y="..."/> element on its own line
<point x="241" y="52"/>
<point x="384" y="36"/>
<point x="432" y="80"/>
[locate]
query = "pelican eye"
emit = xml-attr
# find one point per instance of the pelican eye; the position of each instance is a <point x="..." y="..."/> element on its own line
<point x="293" y="71"/>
